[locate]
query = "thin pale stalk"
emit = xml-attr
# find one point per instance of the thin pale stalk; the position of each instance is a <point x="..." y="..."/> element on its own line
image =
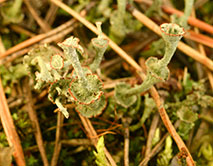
<point x="126" y="141"/>
<point x="57" y="148"/>
<point x="151" y="134"/>
<point x="34" y="120"/>
<point x="42" y="23"/>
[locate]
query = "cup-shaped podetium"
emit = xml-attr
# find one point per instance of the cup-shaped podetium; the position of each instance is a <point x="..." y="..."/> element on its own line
<point x="93" y="109"/>
<point x="90" y="101"/>
<point x="57" y="62"/>
<point x="171" y="33"/>
<point x="84" y="95"/>
<point x="100" y="44"/>
<point x="72" y="49"/>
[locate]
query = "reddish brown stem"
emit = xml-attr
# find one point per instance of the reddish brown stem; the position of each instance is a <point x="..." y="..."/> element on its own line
<point x="191" y="20"/>
<point x="10" y="130"/>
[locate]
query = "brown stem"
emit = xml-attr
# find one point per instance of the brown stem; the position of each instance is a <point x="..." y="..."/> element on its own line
<point x="40" y="37"/>
<point x="34" y="120"/>
<point x="126" y="122"/>
<point x="192" y="21"/>
<point x="203" y="53"/>
<point x="157" y="148"/>
<point x="151" y="134"/>
<point x="42" y="23"/>
<point x="10" y="130"/>
<point x="154" y="151"/>
<point x="51" y="14"/>
<point x="57" y="149"/>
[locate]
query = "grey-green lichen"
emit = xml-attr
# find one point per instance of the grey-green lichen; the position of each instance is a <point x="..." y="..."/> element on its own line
<point x="187" y="13"/>
<point x="82" y="86"/>
<point x="182" y="21"/>
<point x="149" y="107"/>
<point x="100" y="44"/>
<point x="155" y="9"/>
<point x="122" y="22"/>
<point x="157" y="70"/>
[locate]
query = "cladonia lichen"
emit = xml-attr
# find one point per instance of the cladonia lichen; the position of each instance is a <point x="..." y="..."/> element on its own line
<point x="157" y="70"/>
<point x="82" y="86"/>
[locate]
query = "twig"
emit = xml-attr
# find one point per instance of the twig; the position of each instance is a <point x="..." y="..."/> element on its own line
<point x="153" y="91"/>
<point x="126" y="122"/>
<point x="19" y="29"/>
<point x="151" y="134"/>
<point x="154" y="151"/>
<point x="192" y="21"/>
<point x="51" y="14"/>
<point x="76" y="142"/>
<point x="40" y="37"/>
<point x="89" y="25"/>
<point x="157" y="148"/>
<point x="181" y="46"/>
<point x="10" y="130"/>
<point x="202" y="51"/>
<point x="199" y="38"/>
<point x="57" y="149"/>
<point x="46" y="40"/>
<point x="2" y="1"/>
<point x="42" y="23"/>
<point x="2" y="48"/>
<point x="34" y="120"/>
<point x="199" y="3"/>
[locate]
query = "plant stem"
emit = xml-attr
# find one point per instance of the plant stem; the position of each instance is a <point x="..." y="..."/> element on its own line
<point x="10" y="130"/>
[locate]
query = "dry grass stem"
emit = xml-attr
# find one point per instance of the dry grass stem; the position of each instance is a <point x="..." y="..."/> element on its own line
<point x="42" y="23"/>
<point x="35" y="123"/>
<point x="57" y="148"/>
<point x="151" y="134"/>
